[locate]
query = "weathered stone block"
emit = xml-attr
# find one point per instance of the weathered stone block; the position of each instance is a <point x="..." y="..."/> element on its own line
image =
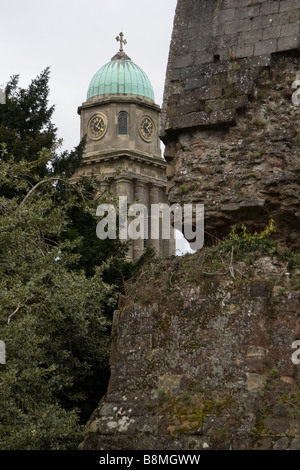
<point x="225" y="118"/>
<point x="291" y="30"/>
<point x="250" y="12"/>
<point x="200" y="45"/>
<point x="272" y="32"/>
<point x="255" y="381"/>
<point x="255" y="365"/>
<point x="287" y="43"/>
<point x="289" y="5"/>
<point x="251" y="36"/>
<point x="175" y="75"/>
<point x="269" y="7"/>
<point x="260" y="23"/>
<point x="184" y="60"/>
<point x="202" y="57"/>
<point x="265" y="443"/>
<point x="276" y="426"/>
<point x="243" y="50"/>
<point x="295" y="444"/>
<point x="228" y="15"/>
<point x="281" y="444"/>
<point x="265" y="47"/>
<point x="238" y="26"/>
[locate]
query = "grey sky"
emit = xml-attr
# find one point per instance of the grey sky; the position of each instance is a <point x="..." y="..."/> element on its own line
<point x="75" y="38"/>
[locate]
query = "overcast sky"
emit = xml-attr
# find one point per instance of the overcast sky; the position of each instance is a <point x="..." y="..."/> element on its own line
<point x="75" y="38"/>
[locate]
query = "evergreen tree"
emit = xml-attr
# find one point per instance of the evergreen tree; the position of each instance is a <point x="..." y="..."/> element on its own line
<point x="58" y="282"/>
<point x="52" y="319"/>
<point x="26" y="128"/>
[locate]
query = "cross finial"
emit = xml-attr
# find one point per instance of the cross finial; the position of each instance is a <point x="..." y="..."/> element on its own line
<point x="121" y="40"/>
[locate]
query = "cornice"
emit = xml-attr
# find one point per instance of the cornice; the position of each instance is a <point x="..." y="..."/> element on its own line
<point x="117" y="154"/>
<point x="102" y="100"/>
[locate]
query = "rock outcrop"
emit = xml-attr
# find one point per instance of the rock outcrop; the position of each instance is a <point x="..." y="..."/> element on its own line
<point x="206" y="364"/>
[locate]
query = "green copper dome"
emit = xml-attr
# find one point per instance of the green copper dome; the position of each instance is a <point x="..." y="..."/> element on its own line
<point x="120" y="76"/>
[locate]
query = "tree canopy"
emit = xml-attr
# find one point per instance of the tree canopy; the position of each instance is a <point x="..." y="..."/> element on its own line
<point x="58" y="282"/>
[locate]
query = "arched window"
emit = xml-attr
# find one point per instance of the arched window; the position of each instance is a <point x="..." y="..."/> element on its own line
<point x="123" y="123"/>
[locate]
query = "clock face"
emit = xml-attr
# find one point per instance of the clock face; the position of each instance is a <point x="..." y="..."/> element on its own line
<point x="147" y="128"/>
<point x="97" y="127"/>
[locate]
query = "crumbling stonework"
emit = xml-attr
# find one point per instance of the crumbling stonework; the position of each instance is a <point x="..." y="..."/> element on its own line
<point x="229" y="123"/>
<point x="206" y="365"/>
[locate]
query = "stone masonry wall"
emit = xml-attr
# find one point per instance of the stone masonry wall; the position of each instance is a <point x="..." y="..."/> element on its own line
<point x="207" y="364"/>
<point x="207" y="36"/>
<point x="231" y="129"/>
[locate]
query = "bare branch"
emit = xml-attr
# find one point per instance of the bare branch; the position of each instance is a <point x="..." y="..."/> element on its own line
<point x="12" y="314"/>
<point x="47" y="181"/>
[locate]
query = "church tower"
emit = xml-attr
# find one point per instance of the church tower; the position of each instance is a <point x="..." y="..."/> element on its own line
<point x="121" y="122"/>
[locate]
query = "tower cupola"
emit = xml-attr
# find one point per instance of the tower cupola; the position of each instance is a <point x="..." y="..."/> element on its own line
<point x="120" y="76"/>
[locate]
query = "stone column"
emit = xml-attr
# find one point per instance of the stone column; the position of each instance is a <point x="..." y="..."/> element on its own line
<point x="104" y="187"/>
<point x="167" y="247"/>
<point x="124" y="188"/>
<point x="124" y="185"/>
<point x="140" y="197"/>
<point x="154" y="199"/>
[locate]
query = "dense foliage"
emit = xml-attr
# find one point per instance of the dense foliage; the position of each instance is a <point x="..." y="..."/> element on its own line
<point x="52" y="320"/>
